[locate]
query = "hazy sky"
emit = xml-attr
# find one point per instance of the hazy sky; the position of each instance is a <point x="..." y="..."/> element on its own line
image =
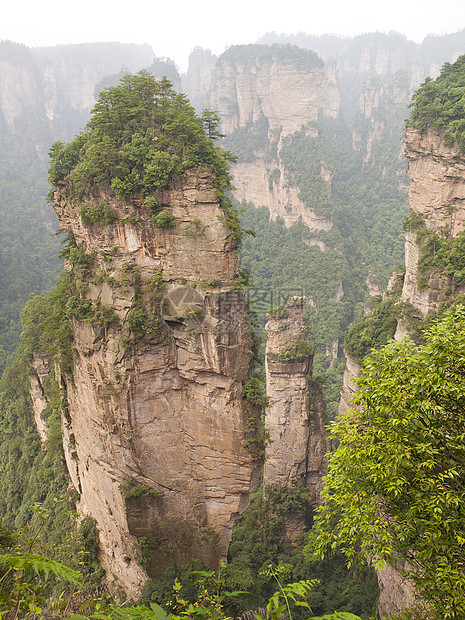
<point x="174" y="28"/>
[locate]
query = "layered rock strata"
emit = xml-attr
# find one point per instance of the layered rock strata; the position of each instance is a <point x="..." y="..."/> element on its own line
<point x="153" y="423"/>
<point x="295" y="418"/>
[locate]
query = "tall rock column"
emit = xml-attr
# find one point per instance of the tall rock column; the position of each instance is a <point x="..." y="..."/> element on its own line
<point x="295" y="417"/>
<point x="153" y="424"/>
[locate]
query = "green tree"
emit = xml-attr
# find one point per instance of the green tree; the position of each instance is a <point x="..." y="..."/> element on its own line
<point x="441" y="103"/>
<point x="142" y="134"/>
<point x="397" y="479"/>
<point x="211" y="123"/>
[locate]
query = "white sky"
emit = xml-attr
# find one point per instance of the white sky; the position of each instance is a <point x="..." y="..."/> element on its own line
<point x="174" y="27"/>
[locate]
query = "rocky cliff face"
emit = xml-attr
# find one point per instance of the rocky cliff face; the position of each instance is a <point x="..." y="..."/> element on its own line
<point x="153" y="423"/>
<point x="382" y="108"/>
<point x="348" y="389"/>
<point x="295" y="418"/>
<point x="281" y="198"/>
<point x="258" y="93"/>
<point x="436" y="200"/>
<point x="245" y="89"/>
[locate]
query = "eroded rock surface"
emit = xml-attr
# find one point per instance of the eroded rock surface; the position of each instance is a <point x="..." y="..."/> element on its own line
<point x="154" y="395"/>
<point x="295" y="418"/>
<point x="437" y="195"/>
<point x="285" y="98"/>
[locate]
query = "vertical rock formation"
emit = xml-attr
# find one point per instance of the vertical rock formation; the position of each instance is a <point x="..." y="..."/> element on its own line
<point x="437" y="206"/>
<point x="58" y="83"/>
<point x="382" y="108"/>
<point x="348" y="389"/>
<point x="153" y="427"/>
<point x="295" y="418"/>
<point x="264" y="94"/>
<point x="255" y="81"/>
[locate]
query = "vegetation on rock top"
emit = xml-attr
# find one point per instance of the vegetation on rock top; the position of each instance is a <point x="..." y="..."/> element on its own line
<point x="440" y="103"/>
<point x="302" y="59"/>
<point x="142" y="135"/>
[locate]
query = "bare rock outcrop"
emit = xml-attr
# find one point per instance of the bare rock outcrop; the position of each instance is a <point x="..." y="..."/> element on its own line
<point x="281" y="197"/>
<point x="153" y="423"/>
<point x="38" y="393"/>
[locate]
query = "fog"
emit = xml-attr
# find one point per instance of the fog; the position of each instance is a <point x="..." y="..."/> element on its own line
<point x="173" y="29"/>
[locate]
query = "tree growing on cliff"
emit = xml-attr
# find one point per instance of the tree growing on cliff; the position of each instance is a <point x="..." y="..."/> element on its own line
<point x="142" y="134"/>
<point x="441" y="104"/>
<point x="396" y="485"/>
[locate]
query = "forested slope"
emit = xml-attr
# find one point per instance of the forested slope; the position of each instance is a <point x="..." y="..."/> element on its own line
<point x="45" y="94"/>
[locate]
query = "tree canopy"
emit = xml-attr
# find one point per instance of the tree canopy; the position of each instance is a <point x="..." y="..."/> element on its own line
<point x="396" y="483"/>
<point x="141" y="135"/>
<point x="440" y="103"/>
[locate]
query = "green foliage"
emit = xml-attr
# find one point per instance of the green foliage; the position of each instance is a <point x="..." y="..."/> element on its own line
<point x="249" y="140"/>
<point x="307" y="171"/>
<point x="299" y="351"/>
<point x="131" y="488"/>
<point x="164" y="67"/>
<point x="254" y="389"/>
<point x="152" y="205"/>
<point x="211" y="124"/>
<point x="142" y="324"/>
<point x="156" y="283"/>
<point x="440" y="103"/>
<point x="164" y="220"/>
<point x="292" y="595"/>
<point x="232" y="219"/>
<point x="287" y="498"/>
<point x="415" y="222"/>
<point x="29" y="264"/>
<point x="301" y="59"/>
<point x="373" y="330"/>
<point x="89" y="312"/>
<point x="142" y="135"/>
<point x="441" y="253"/>
<point x="81" y="260"/>
<point x="37" y="563"/>
<point x="257" y="542"/>
<point x="284" y="264"/>
<point x="256" y="436"/>
<point x="96" y="214"/>
<point x="46" y="328"/>
<point x="24" y="596"/>
<point x="395" y="485"/>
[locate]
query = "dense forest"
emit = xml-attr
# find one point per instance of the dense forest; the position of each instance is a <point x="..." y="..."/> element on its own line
<point x="143" y="134"/>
